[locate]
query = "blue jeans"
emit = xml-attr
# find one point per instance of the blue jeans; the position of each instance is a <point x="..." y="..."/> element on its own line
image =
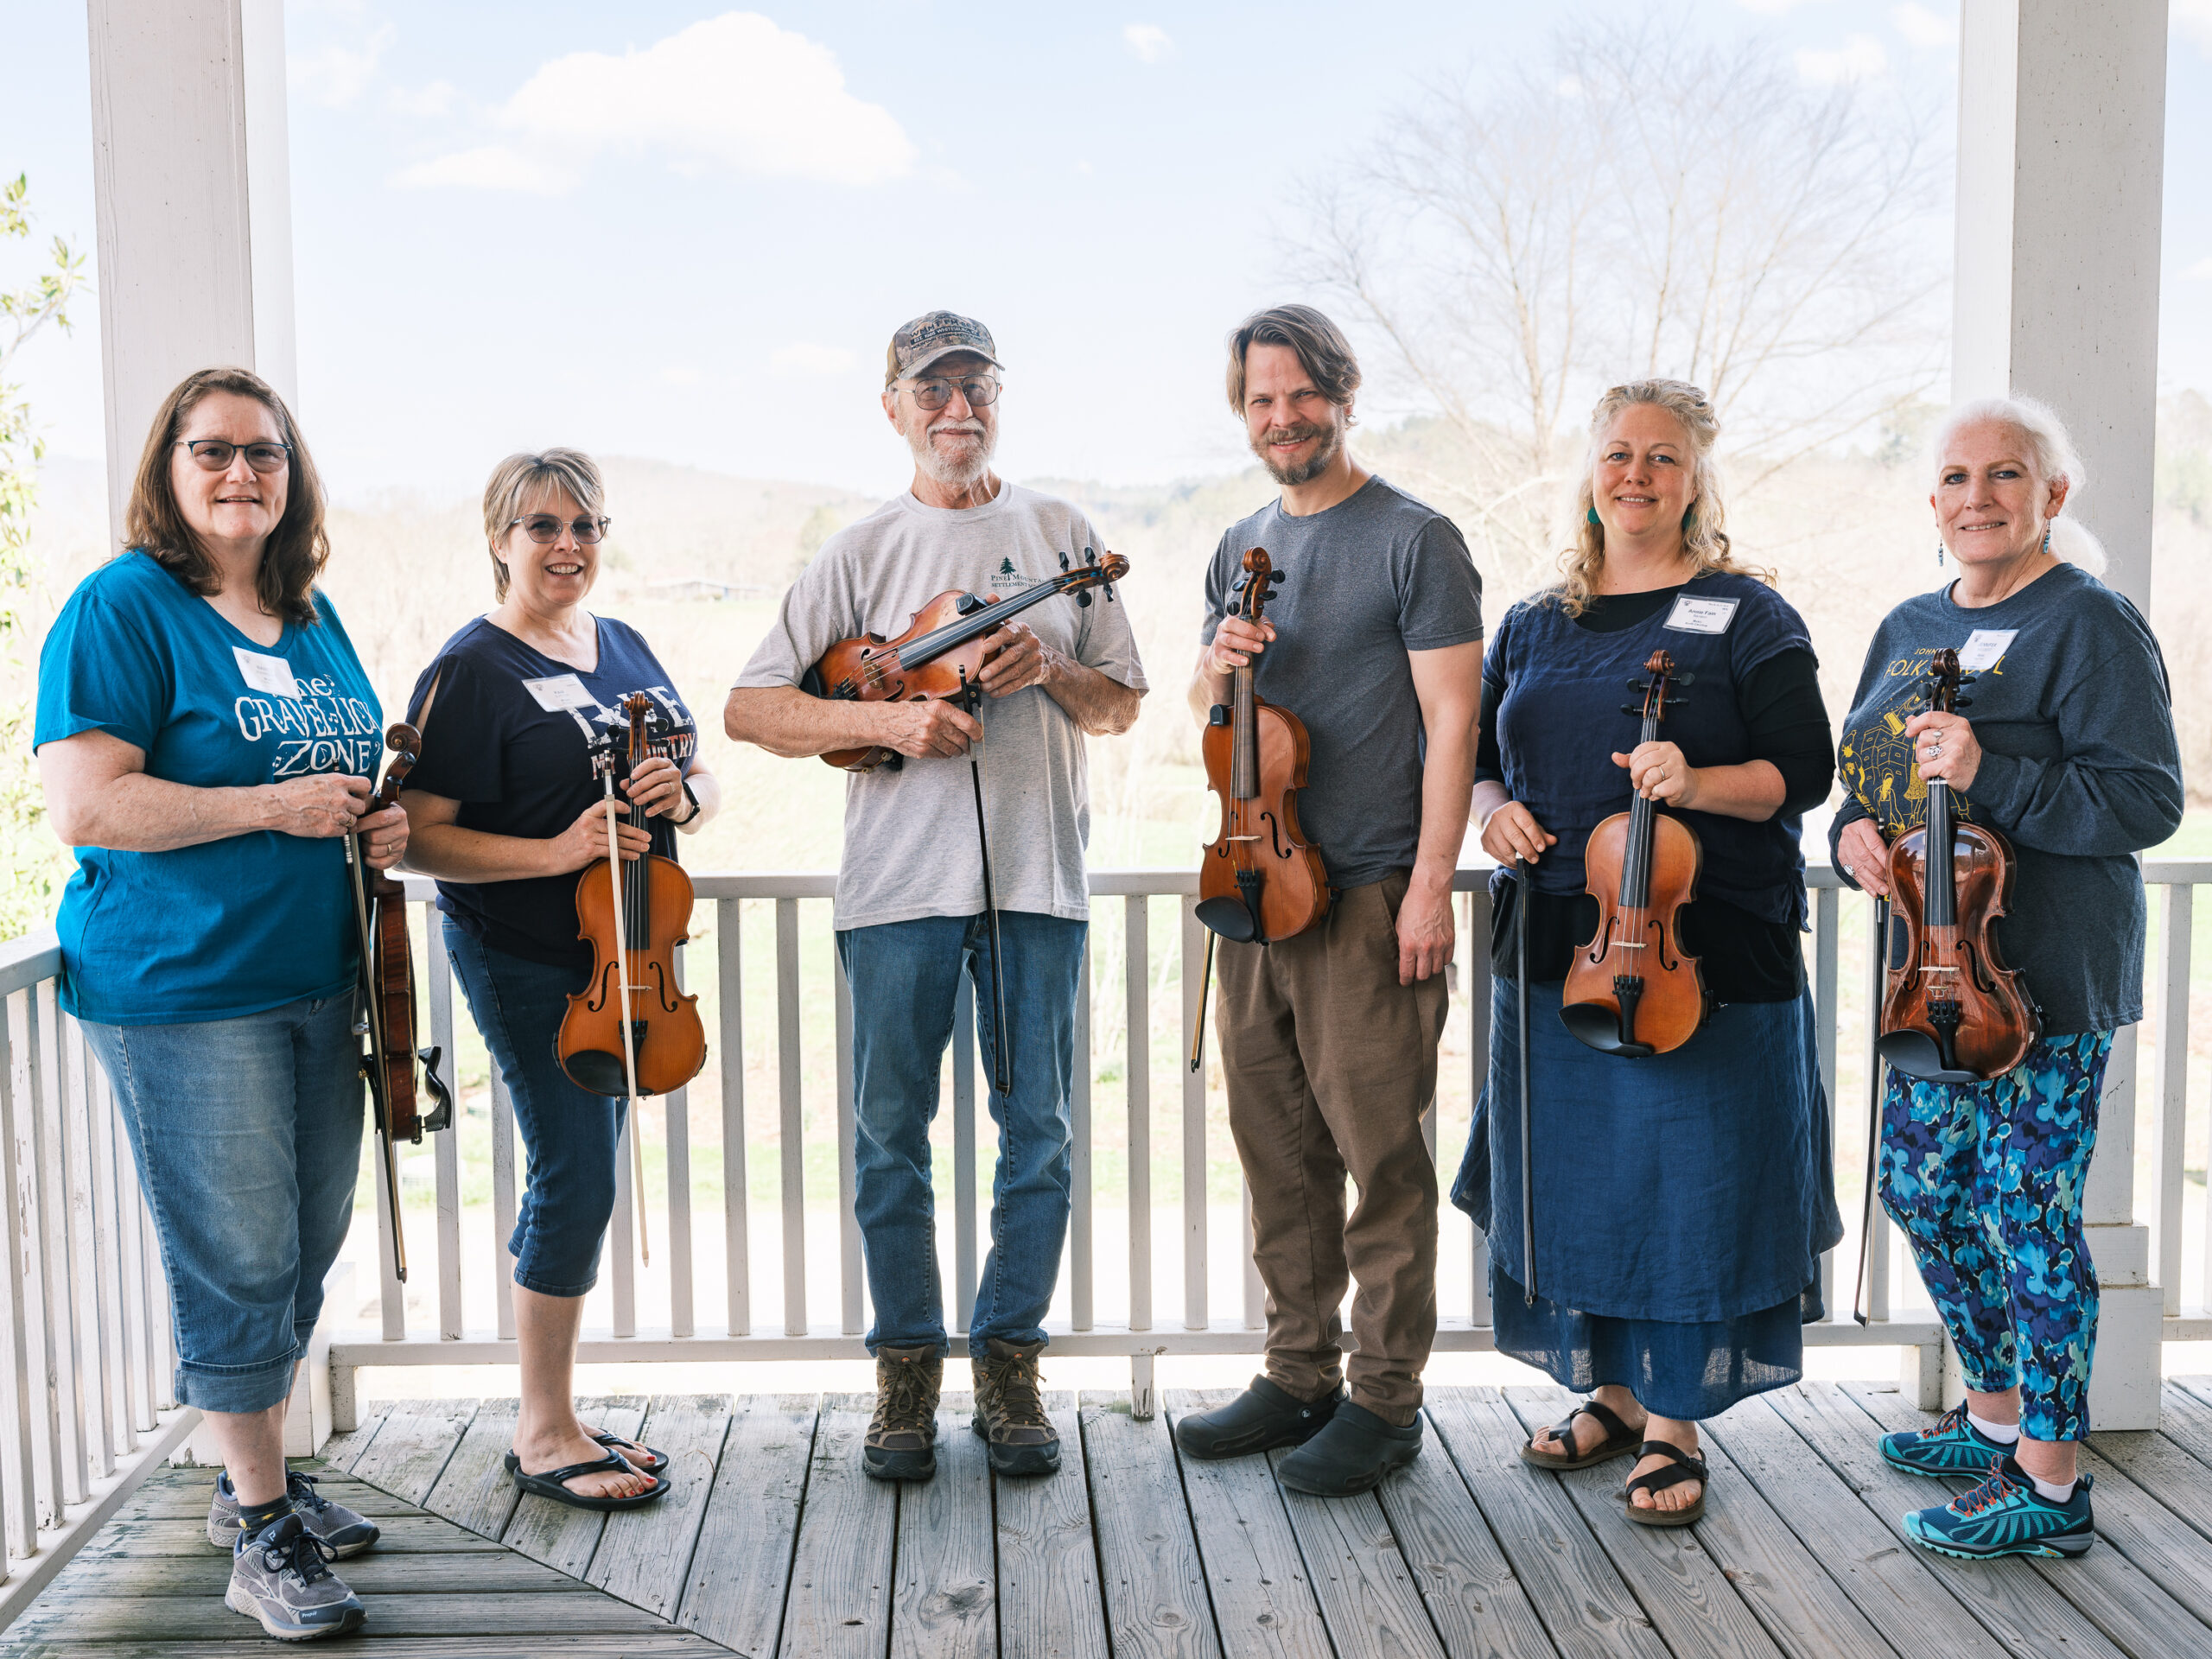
<point x="569" y="1135"/>
<point x="905" y="977"/>
<point x="248" y="1137"/>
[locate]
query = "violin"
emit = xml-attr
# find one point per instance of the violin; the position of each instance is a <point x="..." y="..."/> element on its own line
<point x="940" y="654"/>
<point x="1261" y="881"/>
<point x="630" y="1032"/>
<point x="386" y="1017"/>
<point x="1630" y="990"/>
<point x="1951" y="1011"/>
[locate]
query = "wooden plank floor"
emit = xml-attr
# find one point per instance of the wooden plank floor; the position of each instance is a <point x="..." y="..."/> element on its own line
<point x="775" y="1544"/>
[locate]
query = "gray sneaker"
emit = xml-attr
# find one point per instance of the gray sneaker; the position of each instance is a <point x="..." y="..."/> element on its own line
<point x="346" y="1532"/>
<point x="281" y="1575"/>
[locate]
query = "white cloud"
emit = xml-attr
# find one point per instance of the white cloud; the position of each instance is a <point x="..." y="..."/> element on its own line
<point x="424" y="103"/>
<point x="1149" y="41"/>
<point x="681" y="374"/>
<point x="1860" y="58"/>
<point x="809" y="358"/>
<point x="336" y="75"/>
<point x="1923" y="27"/>
<point x="2201" y="271"/>
<point x="2193" y="18"/>
<point x="493" y="166"/>
<point x="734" y="91"/>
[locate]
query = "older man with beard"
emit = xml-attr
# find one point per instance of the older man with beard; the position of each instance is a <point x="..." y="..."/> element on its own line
<point x="1328" y="1038"/>
<point x="911" y="907"/>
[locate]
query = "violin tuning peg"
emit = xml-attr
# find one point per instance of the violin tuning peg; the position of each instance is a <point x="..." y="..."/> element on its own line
<point x="1637" y="685"/>
<point x="1083" y="601"/>
<point x="1963" y="703"/>
<point x="1631" y="709"/>
<point x="1685" y="679"/>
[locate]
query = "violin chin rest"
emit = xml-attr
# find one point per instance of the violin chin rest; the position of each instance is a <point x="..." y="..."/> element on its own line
<point x="1596" y="1025"/>
<point x="597" y="1073"/>
<point x="1915" y="1053"/>
<point x="1227" y="917"/>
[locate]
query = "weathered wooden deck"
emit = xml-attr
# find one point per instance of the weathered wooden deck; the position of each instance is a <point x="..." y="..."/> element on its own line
<point x="773" y="1542"/>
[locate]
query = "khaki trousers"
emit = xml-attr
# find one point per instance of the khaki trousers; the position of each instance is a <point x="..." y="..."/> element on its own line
<point x="1329" y="1064"/>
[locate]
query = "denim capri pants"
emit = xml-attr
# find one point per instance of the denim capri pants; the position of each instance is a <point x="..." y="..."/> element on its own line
<point x="569" y="1135"/>
<point x="248" y="1137"/>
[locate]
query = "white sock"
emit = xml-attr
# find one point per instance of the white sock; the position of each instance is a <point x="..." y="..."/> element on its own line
<point x="2051" y="1494"/>
<point x="2003" y="1433"/>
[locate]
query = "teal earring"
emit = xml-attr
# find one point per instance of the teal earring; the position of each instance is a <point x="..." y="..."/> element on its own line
<point x="1590" y="513"/>
<point x="1689" y="515"/>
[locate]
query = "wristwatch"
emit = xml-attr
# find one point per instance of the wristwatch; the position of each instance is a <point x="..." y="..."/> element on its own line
<point x="693" y="814"/>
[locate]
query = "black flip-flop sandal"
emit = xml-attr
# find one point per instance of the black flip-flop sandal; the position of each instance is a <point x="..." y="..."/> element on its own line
<point x="653" y="1463"/>
<point x="1619" y="1439"/>
<point x="1686" y="1466"/>
<point x="549" y="1484"/>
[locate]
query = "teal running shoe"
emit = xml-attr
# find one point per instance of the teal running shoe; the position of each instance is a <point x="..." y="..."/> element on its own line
<point x="2005" y="1515"/>
<point x="1950" y="1446"/>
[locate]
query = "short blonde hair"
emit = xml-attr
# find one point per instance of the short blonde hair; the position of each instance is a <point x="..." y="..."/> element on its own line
<point x="1705" y="526"/>
<point x="522" y="478"/>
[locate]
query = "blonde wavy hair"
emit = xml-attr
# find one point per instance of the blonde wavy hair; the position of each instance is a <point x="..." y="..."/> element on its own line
<point x="1705" y="526"/>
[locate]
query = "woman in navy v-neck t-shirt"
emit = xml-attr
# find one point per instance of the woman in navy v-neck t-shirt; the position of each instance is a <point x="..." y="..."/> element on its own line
<point x="506" y="809"/>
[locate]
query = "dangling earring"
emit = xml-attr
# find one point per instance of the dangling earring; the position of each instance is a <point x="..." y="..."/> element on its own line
<point x="2046" y="538"/>
<point x="1939" y="552"/>
<point x="1590" y="513"/>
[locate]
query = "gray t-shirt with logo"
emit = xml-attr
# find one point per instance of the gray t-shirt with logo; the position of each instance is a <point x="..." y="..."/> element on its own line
<point x="1377" y="575"/>
<point x="910" y="834"/>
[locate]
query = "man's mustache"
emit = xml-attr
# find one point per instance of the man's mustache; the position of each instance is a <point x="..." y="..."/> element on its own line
<point x="969" y="428"/>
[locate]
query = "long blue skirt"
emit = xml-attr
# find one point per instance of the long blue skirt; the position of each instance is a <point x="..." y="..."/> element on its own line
<point x="1682" y="1203"/>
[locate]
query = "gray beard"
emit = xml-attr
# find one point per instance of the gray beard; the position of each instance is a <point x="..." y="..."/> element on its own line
<point x="953" y="475"/>
<point x="1307" y="472"/>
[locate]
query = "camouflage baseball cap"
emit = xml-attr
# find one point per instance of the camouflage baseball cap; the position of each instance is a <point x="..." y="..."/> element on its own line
<point x="934" y="334"/>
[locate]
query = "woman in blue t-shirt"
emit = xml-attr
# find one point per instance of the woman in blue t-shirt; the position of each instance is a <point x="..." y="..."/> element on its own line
<point x="1670" y="1298"/>
<point x="206" y="734"/>
<point x="506" y="808"/>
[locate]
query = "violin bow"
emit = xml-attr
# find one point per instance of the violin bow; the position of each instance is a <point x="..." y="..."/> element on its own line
<point x="1528" y="1179"/>
<point x="1002" y="1066"/>
<point x="629" y="1044"/>
<point x="1875" y="1068"/>
<point x="371" y="1023"/>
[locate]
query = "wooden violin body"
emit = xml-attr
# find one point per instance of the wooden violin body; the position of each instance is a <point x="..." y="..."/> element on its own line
<point x="942" y="652"/>
<point x="1630" y="989"/>
<point x="387" y="1006"/>
<point x="1261" y="881"/>
<point x="637" y="943"/>
<point x="1951" y="1011"/>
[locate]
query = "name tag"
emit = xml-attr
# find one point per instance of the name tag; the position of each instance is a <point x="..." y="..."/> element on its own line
<point x="266" y="673"/>
<point x="560" y="692"/>
<point x="1984" y="646"/>
<point x="1702" y="615"/>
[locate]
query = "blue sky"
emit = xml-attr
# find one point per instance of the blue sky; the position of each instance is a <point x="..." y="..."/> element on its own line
<point x="511" y="226"/>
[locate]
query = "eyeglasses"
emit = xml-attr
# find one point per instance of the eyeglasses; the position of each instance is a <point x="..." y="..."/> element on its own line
<point x="546" y="528"/>
<point x="215" y="454"/>
<point x="980" y="389"/>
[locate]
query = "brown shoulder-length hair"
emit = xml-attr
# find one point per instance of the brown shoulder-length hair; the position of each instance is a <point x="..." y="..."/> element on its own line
<point x="296" y="549"/>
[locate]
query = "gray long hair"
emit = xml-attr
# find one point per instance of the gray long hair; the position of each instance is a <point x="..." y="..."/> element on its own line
<point x="2051" y="456"/>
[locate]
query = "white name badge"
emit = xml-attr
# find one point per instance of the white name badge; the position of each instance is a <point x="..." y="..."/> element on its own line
<point x="266" y="673"/>
<point x="1702" y="615"/>
<point x="560" y="692"/>
<point x="1984" y="646"/>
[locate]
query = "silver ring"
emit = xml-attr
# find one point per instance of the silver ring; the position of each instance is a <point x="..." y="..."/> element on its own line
<point x="1850" y="869"/>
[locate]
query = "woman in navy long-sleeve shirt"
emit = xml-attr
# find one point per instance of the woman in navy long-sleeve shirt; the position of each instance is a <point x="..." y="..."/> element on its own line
<point x="2070" y="753"/>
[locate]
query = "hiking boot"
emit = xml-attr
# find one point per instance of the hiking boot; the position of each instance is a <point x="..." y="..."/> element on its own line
<point x="2006" y="1515"/>
<point x="346" y="1532"/>
<point x="1353" y="1451"/>
<point x="281" y="1575"/>
<point x="1258" y="1420"/>
<point x="1010" y="1410"/>
<point x="1949" y="1446"/>
<point x="902" y="1436"/>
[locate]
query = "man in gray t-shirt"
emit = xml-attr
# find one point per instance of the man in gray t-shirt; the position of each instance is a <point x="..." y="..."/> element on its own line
<point x="1328" y="1036"/>
<point x="910" y="895"/>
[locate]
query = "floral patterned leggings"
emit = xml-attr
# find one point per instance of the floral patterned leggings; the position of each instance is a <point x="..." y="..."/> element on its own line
<point x="1985" y="1180"/>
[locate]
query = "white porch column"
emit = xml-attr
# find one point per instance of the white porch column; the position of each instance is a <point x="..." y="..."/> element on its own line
<point x="2061" y="146"/>
<point x="193" y="184"/>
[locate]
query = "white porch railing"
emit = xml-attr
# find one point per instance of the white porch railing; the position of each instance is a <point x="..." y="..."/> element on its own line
<point x="768" y="1315"/>
<point x="85" y="1358"/>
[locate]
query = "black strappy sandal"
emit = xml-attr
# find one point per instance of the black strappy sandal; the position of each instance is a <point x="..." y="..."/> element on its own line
<point x="1685" y="1465"/>
<point x="550" y="1485"/>
<point x="1619" y="1439"/>
<point x="653" y="1463"/>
